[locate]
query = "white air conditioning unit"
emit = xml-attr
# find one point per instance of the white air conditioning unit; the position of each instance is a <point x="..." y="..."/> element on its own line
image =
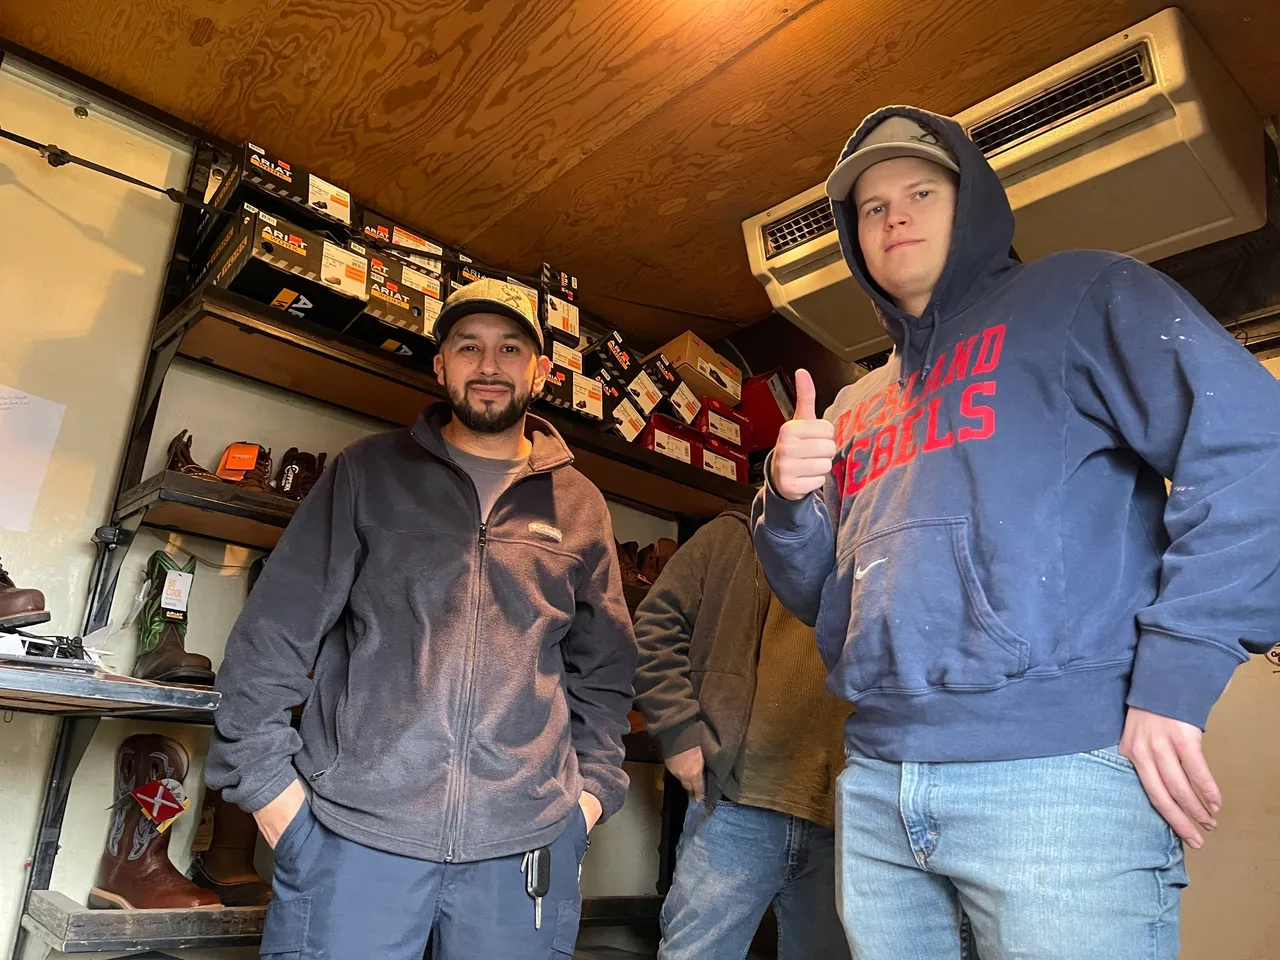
<point x="1142" y="143"/>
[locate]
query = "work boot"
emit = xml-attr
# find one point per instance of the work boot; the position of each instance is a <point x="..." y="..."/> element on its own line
<point x="298" y="473"/>
<point x="180" y="459"/>
<point x="20" y="607"/>
<point x="136" y="873"/>
<point x="226" y="867"/>
<point x="654" y="557"/>
<point x="259" y="478"/>
<point x="162" y="634"/>
<point x="628" y="562"/>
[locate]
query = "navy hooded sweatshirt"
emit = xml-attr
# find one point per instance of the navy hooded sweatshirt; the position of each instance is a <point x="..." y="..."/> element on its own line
<point x="993" y="568"/>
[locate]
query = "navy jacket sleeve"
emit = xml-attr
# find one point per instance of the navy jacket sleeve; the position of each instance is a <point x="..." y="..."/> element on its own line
<point x="1152" y="366"/>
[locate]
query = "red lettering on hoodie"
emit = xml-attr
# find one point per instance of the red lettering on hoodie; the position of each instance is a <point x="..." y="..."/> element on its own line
<point x="989" y="352"/>
<point x="907" y="446"/>
<point x="931" y="439"/>
<point x="860" y="414"/>
<point x="852" y="485"/>
<point x="882" y="455"/>
<point x="842" y="427"/>
<point x="982" y="412"/>
<point x="889" y="409"/>
<point x="960" y="364"/>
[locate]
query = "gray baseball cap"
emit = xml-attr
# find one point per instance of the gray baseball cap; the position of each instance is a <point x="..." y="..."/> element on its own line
<point x="895" y="137"/>
<point x="490" y="296"/>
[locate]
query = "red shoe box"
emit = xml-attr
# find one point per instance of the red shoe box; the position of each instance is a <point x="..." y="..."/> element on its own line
<point x="670" y="437"/>
<point x="723" y="459"/>
<point x="725" y="424"/>
<point x="768" y="401"/>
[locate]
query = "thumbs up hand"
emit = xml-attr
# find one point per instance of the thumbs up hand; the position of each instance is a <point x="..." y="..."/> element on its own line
<point x="801" y="461"/>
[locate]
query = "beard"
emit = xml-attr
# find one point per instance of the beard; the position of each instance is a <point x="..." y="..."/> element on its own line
<point x="490" y="417"/>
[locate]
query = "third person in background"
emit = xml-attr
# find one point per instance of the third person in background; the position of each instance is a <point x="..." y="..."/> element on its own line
<point x="732" y="688"/>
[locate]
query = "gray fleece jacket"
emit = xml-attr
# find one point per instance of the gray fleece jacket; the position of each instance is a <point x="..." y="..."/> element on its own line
<point x="698" y="631"/>
<point x="471" y="680"/>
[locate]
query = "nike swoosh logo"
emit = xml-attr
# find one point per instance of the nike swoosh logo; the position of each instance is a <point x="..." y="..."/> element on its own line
<point x="862" y="571"/>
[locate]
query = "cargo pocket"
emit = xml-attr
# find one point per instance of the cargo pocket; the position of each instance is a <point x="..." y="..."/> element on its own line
<point x="568" y="915"/>
<point x="917" y="615"/>
<point x="284" y="937"/>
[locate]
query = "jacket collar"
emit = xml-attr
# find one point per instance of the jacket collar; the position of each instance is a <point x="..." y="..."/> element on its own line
<point x="549" y="449"/>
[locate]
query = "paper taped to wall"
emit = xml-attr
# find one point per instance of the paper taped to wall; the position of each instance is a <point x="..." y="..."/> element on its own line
<point x="29" y="428"/>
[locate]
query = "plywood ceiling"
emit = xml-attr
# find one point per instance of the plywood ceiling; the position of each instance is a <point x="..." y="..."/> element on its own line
<point x="624" y="140"/>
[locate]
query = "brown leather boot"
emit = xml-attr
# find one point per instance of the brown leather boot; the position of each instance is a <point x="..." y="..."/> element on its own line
<point x="226" y="867"/>
<point x="259" y="478"/>
<point x="628" y="562"/>
<point x="20" y="607"/>
<point x="162" y="634"/>
<point x="180" y="459"/>
<point x="136" y="873"/>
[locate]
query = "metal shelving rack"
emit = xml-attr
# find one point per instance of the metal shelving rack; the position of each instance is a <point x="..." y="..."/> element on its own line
<point x="231" y="333"/>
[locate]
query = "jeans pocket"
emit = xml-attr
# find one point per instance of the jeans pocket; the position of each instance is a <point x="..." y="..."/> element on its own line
<point x="284" y="937"/>
<point x="1112" y="758"/>
<point x="568" y="917"/>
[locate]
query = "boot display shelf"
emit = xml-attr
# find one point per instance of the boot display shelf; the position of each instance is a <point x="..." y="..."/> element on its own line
<point x="64" y="693"/>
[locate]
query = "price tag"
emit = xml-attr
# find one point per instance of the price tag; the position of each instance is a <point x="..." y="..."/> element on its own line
<point x="327" y="198"/>
<point x="161" y="801"/>
<point x="563" y="356"/>
<point x="646" y="392"/>
<point x="686" y="403"/>
<point x="175" y="594"/>
<point x="630" y="423"/>
<point x="588" y="397"/>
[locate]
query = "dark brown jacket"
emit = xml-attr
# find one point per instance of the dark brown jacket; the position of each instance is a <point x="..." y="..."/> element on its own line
<point x="470" y="679"/>
<point x="698" y="631"/>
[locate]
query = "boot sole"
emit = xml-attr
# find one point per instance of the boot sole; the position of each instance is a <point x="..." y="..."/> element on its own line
<point x="192" y="678"/>
<point x="25" y="620"/>
<point x="100" y="899"/>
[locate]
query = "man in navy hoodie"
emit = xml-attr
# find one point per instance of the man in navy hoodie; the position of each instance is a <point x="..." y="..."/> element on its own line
<point x="1033" y="632"/>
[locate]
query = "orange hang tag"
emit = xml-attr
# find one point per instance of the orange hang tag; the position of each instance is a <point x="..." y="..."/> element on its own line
<point x="237" y="460"/>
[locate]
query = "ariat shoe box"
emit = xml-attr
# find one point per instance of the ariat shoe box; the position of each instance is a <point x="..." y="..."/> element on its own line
<point x="559" y="313"/>
<point x="568" y="388"/>
<point x="611" y="354"/>
<point x="283" y="266"/>
<point x="403" y="305"/>
<point x="677" y="398"/>
<point x="381" y="231"/>
<point x="275" y="185"/>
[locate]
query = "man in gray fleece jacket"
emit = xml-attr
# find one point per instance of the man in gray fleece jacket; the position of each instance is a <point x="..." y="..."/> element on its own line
<point x="455" y="589"/>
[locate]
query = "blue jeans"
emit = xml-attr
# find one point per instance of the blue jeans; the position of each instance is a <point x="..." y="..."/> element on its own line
<point x="1054" y="858"/>
<point x="735" y="861"/>
<point x="339" y="900"/>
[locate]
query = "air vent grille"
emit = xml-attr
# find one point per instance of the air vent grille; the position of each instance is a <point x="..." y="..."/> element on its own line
<point x="1108" y="81"/>
<point x="809" y="222"/>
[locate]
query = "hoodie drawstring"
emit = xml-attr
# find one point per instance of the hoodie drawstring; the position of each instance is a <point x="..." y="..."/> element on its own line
<point x="928" y="348"/>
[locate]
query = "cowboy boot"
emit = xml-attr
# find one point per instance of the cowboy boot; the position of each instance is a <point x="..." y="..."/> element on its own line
<point x="180" y="459"/>
<point x="136" y="873"/>
<point x="628" y="562"/>
<point x="226" y="867"/>
<point x="162" y="633"/>
<point x="20" y="607"/>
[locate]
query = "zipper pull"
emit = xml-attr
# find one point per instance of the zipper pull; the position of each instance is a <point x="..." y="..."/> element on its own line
<point x="484" y="534"/>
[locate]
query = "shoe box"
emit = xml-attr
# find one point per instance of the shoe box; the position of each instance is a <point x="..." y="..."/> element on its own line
<point x="381" y="231"/>
<point x="724" y="424"/>
<point x="677" y="398"/>
<point x="559" y="308"/>
<point x="281" y="265"/>
<point x="706" y="372"/>
<point x="728" y="461"/>
<point x="673" y="439"/>
<point x="404" y="303"/>
<point x="568" y="388"/>
<point x="271" y="183"/>
<point x="768" y="401"/>
<point x="611" y="354"/>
